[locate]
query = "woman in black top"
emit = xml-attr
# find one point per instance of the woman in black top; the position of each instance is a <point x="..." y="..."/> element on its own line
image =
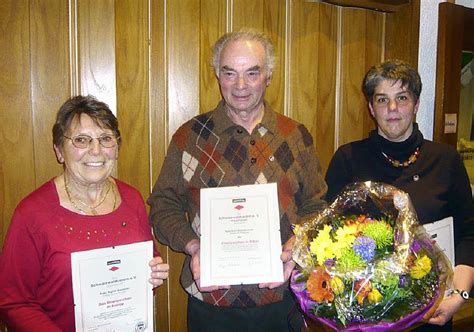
<point x="431" y="173"/>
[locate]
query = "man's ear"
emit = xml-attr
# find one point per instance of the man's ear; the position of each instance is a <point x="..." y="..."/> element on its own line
<point x="59" y="155"/>
<point x="269" y="78"/>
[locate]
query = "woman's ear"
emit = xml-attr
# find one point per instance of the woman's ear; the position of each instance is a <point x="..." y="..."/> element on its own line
<point x="371" y="109"/>
<point x="59" y="155"/>
<point x="415" y="109"/>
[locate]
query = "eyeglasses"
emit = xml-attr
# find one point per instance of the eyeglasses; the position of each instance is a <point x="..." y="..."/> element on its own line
<point x="85" y="141"/>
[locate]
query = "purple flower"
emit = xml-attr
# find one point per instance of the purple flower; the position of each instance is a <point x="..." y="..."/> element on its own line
<point x="415" y="246"/>
<point x="364" y="247"/>
<point x="402" y="281"/>
<point x="330" y="262"/>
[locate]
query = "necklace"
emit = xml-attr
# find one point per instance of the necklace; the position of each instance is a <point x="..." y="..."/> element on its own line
<point x="91" y="208"/>
<point x="115" y="196"/>
<point x="396" y="163"/>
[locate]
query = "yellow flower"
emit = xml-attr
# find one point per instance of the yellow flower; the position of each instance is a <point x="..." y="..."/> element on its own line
<point x="374" y="296"/>
<point x="322" y="248"/>
<point x="296" y="229"/>
<point x="337" y="285"/>
<point x="324" y="233"/>
<point x="322" y="245"/>
<point x="421" y="268"/>
<point x="346" y="235"/>
<point x="338" y="249"/>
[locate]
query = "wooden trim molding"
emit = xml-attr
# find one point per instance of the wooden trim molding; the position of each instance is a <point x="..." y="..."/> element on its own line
<point x="388" y="6"/>
<point x="454" y="24"/>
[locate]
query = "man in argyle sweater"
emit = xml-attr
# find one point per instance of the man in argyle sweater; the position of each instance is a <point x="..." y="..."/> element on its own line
<point x="243" y="141"/>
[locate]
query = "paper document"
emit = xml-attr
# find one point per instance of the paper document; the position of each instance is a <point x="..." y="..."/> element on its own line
<point x="442" y="231"/>
<point x="111" y="288"/>
<point x="240" y="235"/>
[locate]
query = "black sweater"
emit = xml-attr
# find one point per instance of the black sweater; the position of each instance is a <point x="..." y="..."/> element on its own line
<point x="437" y="182"/>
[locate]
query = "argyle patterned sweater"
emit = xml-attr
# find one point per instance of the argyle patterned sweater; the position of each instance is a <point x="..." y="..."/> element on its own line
<point x="211" y="151"/>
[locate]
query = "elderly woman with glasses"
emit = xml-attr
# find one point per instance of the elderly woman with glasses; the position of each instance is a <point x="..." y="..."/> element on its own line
<point x="81" y="209"/>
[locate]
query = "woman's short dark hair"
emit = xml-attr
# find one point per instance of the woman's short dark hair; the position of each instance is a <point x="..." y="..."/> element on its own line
<point x="396" y="71"/>
<point x="74" y="107"/>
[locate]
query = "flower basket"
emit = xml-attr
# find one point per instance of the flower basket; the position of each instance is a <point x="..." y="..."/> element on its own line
<point x="364" y="263"/>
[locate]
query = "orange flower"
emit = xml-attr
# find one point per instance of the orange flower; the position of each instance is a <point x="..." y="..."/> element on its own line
<point x="360" y="222"/>
<point x="362" y="288"/>
<point x="362" y="218"/>
<point x="319" y="286"/>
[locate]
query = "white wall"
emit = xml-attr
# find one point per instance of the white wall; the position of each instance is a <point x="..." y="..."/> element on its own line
<point x="427" y="61"/>
<point x="465" y="3"/>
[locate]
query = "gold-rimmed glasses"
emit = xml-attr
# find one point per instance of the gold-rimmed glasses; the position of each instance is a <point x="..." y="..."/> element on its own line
<point x="84" y="141"/>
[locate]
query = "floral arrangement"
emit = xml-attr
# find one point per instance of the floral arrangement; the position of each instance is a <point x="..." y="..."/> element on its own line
<point x="364" y="262"/>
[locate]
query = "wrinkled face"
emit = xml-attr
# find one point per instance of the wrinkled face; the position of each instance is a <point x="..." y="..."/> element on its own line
<point x="394" y="109"/>
<point x="243" y="78"/>
<point x="90" y="165"/>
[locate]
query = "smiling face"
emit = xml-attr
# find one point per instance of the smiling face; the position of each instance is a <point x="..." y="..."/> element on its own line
<point x="89" y="166"/>
<point x="394" y="109"/>
<point x="243" y="78"/>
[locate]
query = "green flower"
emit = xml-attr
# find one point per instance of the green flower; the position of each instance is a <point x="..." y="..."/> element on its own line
<point x="350" y="261"/>
<point x="380" y="232"/>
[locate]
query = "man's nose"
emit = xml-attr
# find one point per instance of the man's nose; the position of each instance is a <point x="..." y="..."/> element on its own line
<point x="241" y="82"/>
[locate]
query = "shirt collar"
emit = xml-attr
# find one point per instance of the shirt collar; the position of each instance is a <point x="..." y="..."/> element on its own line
<point x="223" y="123"/>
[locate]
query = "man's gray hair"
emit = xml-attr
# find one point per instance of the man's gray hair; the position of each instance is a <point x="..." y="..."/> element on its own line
<point x="244" y="34"/>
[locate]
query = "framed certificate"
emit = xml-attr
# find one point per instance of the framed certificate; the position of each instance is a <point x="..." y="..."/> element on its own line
<point x="111" y="289"/>
<point x="240" y="235"/>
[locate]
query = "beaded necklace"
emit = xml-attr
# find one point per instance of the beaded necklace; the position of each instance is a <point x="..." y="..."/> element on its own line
<point x="396" y="163"/>
<point x="91" y="208"/>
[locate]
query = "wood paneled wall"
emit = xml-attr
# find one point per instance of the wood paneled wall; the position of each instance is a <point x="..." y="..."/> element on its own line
<point x="150" y="61"/>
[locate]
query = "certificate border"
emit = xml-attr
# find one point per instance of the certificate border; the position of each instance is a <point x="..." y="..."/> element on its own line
<point x="102" y="253"/>
<point x="273" y="231"/>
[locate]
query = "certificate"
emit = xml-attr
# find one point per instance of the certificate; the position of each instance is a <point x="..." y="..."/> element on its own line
<point x="442" y="232"/>
<point x="240" y="235"/>
<point x="111" y="289"/>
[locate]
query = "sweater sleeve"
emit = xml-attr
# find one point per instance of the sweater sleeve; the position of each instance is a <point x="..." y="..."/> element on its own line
<point x="461" y="203"/>
<point x="20" y="271"/>
<point x="310" y="198"/>
<point x="337" y="175"/>
<point x="168" y="204"/>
